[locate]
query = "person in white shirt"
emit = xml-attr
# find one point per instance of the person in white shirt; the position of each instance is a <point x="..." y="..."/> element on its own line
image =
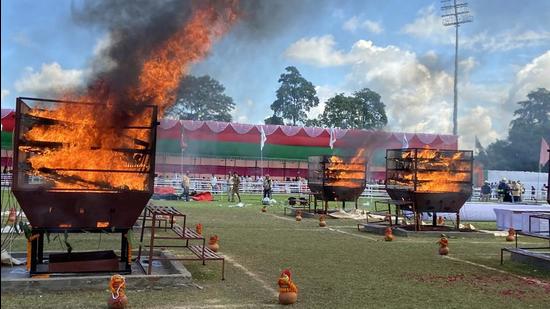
<point x="214" y="183"/>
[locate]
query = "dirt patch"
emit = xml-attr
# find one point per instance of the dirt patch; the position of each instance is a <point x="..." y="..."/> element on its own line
<point x="519" y="288"/>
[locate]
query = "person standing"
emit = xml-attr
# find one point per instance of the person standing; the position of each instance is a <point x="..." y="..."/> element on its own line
<point x="515" y="189"/>
<point x="236" y="184"/>
<point x="267" y="186"/>
<point x="186" y="184"/>
<point x="485" y="192"/>
<point x="501" y="189"/>
<point x="214" y="183"/>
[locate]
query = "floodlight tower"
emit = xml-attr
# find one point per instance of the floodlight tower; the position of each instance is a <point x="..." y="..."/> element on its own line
<point x="454" y="13"/>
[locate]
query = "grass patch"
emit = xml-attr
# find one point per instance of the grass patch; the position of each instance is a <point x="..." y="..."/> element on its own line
<point x="332" y="269"/>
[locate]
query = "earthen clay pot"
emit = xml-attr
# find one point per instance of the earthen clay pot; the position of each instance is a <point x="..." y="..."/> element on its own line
<point x="214" y="247"/>
<point x="511" y="235"/>
<point x="388" y="235"/>
<point x="119" y="303"/>
<point x="443" y="250"/>
<point x="298" y="218"/>
<point x="322" y="223"/>
<point x="287" y="298"/>
<point x="264" y="209"/>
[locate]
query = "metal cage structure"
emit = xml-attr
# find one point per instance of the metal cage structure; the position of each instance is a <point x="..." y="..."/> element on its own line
<point x="433" y="180"/>
<point x="73" y="193"/>
<point x="336" y="178"/>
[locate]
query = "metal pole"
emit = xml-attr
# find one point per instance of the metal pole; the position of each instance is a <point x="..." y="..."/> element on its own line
<point x="455" y="105"/>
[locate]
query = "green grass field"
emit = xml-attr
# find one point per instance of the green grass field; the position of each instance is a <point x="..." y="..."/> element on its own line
<point x="333" y="267"/>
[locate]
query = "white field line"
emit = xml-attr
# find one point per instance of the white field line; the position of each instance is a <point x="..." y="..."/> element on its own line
<point x="252" y="275"/>
<point x="527" y="279"/>
<point x="352" y="234"/>
<point x="282" y="218"/>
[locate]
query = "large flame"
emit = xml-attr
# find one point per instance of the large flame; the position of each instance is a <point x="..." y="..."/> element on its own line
<point x="437" y="171"/>
<point x="85" y="146"/>
<point x="346" y="174"/>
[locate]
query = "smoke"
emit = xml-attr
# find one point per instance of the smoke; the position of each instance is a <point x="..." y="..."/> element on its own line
<point x="134" y="29"/>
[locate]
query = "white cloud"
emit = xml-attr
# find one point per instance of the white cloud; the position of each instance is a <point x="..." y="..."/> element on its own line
<point x="416" y="98"/>
<point x="507" y="40"/>
<point x="355" y="23"/>
<point x="372" y="26"/>
<point x="351" y="24"/>
<point x="533" y="75"/>
<point x="477" y="121"/>
<point x="5" y="93"/>
<point x="428" y="25"/>
<point x="51" y="78"/>
<point x="317" y="51"/>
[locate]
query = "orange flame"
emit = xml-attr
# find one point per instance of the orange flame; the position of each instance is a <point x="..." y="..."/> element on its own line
<point x="347" y="174"/>
<point x="81" y="141"/>
<point x="437" y="172"/>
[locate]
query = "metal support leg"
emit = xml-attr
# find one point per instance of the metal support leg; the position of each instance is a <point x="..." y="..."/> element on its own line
<point x="40" y="253"/>
<point x="151" y="244"/>
<point x="34" y="253"/>
<point x="223" y="269"/>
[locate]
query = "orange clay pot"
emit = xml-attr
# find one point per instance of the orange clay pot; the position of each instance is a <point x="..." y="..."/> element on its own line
<point x="213" y="243"/>
<point x="264" y="209"/>
<point x="388" y="234"/>
<point x="298" y="216"/>
<point x="443" y="246"/>
<point x="117" y="299"/>
<point x="511" y="235"/>
<point x="288" y="298"/>
<point x="322" y="222"/>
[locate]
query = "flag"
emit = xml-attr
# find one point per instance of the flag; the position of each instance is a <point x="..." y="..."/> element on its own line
<point x="263" y="138"/>
<point x="405" y="141"/>
<point x="544" y="155"/>
<point x="332" y="138"/>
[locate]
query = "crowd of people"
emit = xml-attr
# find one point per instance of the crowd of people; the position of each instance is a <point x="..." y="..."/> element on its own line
<point x="506" y="190"/>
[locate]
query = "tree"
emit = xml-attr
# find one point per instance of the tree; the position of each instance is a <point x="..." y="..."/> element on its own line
<point x="295" y="96"/>
<point x="362" y="110"/>
<point x="274" y="120"/>
<point x="202" y="98"/>
<point x="342" y="112"/>
<point x="373" y="112"/>
<point x="520" y="151"/>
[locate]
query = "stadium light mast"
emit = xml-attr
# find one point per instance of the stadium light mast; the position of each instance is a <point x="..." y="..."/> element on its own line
<point x="454" y="13"/>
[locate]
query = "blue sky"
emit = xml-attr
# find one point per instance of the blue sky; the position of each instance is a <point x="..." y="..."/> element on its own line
<point x="397" y="48"/>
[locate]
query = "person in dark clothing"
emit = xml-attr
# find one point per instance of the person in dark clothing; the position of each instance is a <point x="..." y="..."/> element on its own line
<point x="485" y="192"/>
<point x="501" y="190"/>
<point x="267" y="186"/>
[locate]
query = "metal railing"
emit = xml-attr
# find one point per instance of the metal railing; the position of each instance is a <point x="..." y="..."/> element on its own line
<point x="376" y="191"/>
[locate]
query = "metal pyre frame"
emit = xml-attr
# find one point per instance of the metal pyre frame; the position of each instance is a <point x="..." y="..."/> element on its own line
<point x="432" y="181"/>
<point x="54" y="202"/>
<point x="336" y="178"/>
